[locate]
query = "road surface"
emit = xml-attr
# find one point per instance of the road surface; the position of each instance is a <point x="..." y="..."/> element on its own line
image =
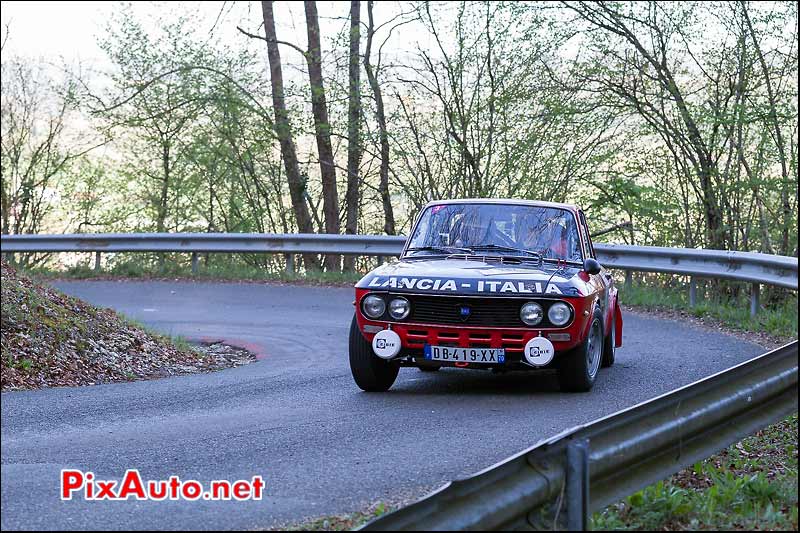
<point x="295" y="416"/>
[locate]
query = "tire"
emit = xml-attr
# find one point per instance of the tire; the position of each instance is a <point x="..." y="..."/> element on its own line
<point x="370" y="372"/>
<point x="578" y="368"/>
<point x="609" y="350"/>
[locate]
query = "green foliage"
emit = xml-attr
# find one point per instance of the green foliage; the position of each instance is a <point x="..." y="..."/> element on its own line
<point x="196" y="142"/>
<point x="778" y="317"/>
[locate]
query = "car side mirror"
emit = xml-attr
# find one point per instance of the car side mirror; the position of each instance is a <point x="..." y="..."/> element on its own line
<point x="591" y="266"/>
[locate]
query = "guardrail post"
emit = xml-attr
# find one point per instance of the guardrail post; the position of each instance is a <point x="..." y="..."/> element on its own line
<point x="195" y="260"/>
<point x="380" y="260"/>
<point x="755" y="293"/>
<point x="692" y="292"/>
<point x="289" y="263"/>
<point x="577" y="490"/>
<point x="628" y="279"/>
<point x="97" y="261"/>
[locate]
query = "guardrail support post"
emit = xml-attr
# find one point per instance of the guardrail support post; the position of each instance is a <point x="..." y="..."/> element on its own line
<point x="97" y="261"/>
<point x="755" y="293"/>
<point x="380" y="260"/>
<point x="289" y="263"/>
<point x="692" y="292"/>
<point x="195" y="260"/>
<point x="577" y="490"/>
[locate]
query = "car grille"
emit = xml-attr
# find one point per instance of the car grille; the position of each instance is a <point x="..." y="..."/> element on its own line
<point x="497" y="312"/>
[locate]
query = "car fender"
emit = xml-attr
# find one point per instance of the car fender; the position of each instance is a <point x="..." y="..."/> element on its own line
<point x="594" y="311"/>
<point x="617" y="324"/>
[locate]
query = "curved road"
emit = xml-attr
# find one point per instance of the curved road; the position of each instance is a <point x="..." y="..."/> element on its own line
<point x="295" y="416"/>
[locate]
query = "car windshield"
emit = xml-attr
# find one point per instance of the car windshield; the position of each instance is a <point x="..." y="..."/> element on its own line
<point x="496" y="228"/>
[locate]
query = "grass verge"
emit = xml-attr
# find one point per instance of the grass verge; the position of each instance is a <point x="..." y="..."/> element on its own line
<point x="752" y="485"/>
<point x="213" y="272"/>
<point x="776" y="319"/>
<point x="344" y="522"/>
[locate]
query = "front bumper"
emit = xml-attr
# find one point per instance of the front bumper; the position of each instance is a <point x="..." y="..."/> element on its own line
<point x="414" y="336"/>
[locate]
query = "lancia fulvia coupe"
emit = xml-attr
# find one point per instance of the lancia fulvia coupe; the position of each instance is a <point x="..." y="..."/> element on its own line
<point x="499" y="285"/>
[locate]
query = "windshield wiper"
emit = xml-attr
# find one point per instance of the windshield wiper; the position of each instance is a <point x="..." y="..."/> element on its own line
<point x="442" y="249"/>
<point x="486" y="247"/>
<point x="562" y="261"/>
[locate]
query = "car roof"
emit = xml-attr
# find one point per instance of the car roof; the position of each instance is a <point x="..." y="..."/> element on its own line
<point x="507" y="201"/>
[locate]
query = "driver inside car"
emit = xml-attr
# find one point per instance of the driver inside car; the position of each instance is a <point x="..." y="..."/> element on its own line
<point x="549" y="238"/>
<point x="469" y="230"/>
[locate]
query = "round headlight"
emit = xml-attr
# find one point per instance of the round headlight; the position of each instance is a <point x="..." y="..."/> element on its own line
<point x="373" y="306"/>
<point x="531" y="313"/>
<point x="558" y="314"/>
<point x="399" y="308"/>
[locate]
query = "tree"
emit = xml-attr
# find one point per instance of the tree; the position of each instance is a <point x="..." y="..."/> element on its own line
<point x="322" y="128"/>
<point x="354" y="149"/>
<point x="155" y="105"/>
<point x="648" y="84"/>
<point x="297" y="186"/>
<point x="38" y="147"/>
<point x="380" y="116"/>
<point x="775" y="125"/>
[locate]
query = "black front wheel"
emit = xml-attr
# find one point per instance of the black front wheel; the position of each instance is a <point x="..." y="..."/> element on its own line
<point x="370" y="372"/>
<point x="577" y="369"/>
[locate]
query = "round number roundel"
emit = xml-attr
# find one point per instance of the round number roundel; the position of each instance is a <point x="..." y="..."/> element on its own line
<point x="539" y="351"/>
<point x="386" y="344"/>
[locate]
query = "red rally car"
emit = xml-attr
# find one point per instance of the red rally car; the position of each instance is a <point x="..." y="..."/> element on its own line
<point x="489" y="284"/>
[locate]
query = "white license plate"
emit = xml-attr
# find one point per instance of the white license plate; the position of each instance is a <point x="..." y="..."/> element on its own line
<point x="465" y="355"/>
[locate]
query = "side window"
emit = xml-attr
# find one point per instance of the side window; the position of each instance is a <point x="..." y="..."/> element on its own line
<point x="588" y="248"/>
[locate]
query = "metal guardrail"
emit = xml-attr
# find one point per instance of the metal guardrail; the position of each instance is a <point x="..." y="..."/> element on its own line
<point x="768" y="269"/>
<point x="315" y="243"/>
<point x="749" y="267"/>
<point x="561" y="480"/>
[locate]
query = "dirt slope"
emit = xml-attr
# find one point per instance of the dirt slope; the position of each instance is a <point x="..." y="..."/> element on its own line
<point x="50" y="339"/>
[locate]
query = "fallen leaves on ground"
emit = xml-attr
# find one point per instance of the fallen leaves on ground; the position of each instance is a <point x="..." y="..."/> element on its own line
<point x="49" y="339"/>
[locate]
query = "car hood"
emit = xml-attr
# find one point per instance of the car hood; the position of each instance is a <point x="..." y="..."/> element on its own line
<point x="474" y="277"/>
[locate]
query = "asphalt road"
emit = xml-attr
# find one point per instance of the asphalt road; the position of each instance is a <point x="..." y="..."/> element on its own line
<point x="295" y="416"/>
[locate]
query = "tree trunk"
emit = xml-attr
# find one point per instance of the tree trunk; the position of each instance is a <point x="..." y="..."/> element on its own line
<point x="162" y="204"/>
<point x="161" y="216"/>
<point x="297" y="185"/>
<point x="353" y="128"/>
<point x="5" y="210"/>
<point x="786" y="206"/>
<point x="322" y="129"/>
<point x="383" y="186"/>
